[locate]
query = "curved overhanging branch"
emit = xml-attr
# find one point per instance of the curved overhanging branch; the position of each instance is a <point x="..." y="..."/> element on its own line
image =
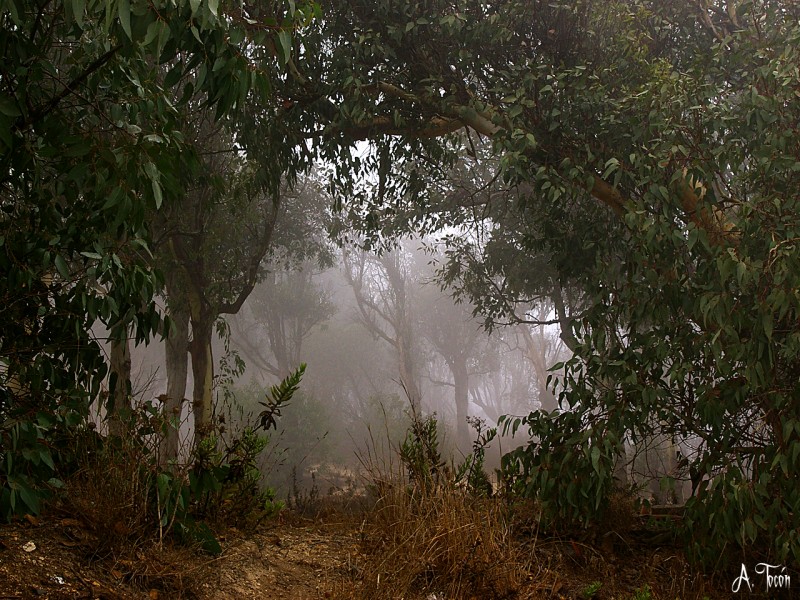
<point x="432" y="128"/>
<point x="720" y="229"/>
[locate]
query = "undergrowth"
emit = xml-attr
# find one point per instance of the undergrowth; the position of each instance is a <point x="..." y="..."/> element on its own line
<point x="144" y="514"/>
<point x="431" y="531"/>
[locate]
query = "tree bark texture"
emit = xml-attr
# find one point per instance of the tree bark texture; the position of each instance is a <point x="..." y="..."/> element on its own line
<point x="120" y="385"/>
<point x="203" y="374"/>
<point x="177" y="364"/>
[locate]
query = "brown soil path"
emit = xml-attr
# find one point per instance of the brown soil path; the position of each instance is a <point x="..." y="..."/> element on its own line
<point x="287" y="562"/>
<point x="53" y="558"/>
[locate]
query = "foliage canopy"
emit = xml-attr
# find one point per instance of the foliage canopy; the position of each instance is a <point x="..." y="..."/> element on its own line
<point x="90" y="141"/>
<point x="642" y="154"/>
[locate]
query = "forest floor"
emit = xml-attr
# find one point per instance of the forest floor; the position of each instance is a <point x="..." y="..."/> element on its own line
<point x="51" y="557"/>
<point x="296" y="558"/>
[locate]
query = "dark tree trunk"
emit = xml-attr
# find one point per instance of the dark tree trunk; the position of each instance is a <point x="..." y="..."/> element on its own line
<point x="203" y="374"/>
<point x="120" y="392"/>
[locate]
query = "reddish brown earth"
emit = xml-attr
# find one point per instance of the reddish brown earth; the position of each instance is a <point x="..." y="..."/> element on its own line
<point x="292" y="558"/>
<point x="51" y="558"/>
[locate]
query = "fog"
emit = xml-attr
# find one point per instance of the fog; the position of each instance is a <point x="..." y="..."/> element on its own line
<point x="382" y="340"/>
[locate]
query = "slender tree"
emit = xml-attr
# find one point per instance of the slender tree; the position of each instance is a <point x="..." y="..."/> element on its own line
<point x="281" y="314"/>
<point x="382" y="288"/>
<point x="89" y="139"/>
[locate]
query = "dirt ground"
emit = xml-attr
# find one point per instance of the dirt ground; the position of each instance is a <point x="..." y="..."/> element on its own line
<point x="51" y="558"/>
<point x="292" y="558"/>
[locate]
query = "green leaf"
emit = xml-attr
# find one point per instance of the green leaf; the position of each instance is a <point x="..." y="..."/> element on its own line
<point x="692" y="237"/>
<point x="596" y="459"/>
<point x="78" y="10"/>
<point x="164" y="483"/>
<point x="213" y="6"/>
<point x="766" y="321"/>
<point x="174" y="75"/>
<point x="113" y="198"/>
<point x="125" y="17"/>
<point x="741" y="271"/>
<point x="151" y="170"/>
<point x="157" y="192"/>
<point x="13" y="11"/>
<point x="163" y="36"/>
<point x="236" y="35"/>
<point x="261" y="83"/>
<point x="285" y="41"/>
<point x="61" y="266"/>
<point x="31" y="499"/>
<point x="152" y="33"/>
<point x="5" y="131"/>
<point x="69" y="16"/>
<point x="44" y="455"/>
<point x="194" y="4"/>
<point x="207" y="539"/>
<point x="612" y="164"/>
<point x="8" y="106"/>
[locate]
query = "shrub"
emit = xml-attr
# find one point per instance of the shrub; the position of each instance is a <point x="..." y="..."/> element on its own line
<point x="428" y="534"/>
<point x="121" y="486"/>
<point x="420" y="454"/>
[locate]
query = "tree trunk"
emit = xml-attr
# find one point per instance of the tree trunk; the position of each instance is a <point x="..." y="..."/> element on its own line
<point x="408" y="377"/>
<point x="203" y="373"/>
<point x="277" y="332"/>
<point x="536" y="356"/>
<point x="120" y="386"/>
<point x="177" y="363"/>
<point x="461" y="381"/>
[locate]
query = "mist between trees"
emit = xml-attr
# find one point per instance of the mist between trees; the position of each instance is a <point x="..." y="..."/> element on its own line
<point x="379" y="337"/>
<point x="610" y="188"/>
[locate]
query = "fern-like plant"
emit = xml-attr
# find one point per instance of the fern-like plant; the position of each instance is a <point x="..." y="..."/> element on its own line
<point x="279" y="396"/>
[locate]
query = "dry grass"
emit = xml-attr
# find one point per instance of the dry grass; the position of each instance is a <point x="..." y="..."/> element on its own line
<point x="439" y="541"/>
<point x="174" y="571"/>
<point x="112" y="506"/>
<point x="110" y="494"/>
<point x="422" y="539"/>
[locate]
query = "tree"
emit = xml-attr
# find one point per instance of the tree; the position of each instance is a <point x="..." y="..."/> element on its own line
<point x="655" y="140"/>
<point x="382" y="289"/>
<point x="176" y="361"/>
<point x="506" y="385"/>
<point x="218" y="275"/>
<point x="247" y="184"/>
<point x="455" y="335"/>
<point x="283" y="311"/>
<point x="353" y="371"/>
<point x="88" y="138"/>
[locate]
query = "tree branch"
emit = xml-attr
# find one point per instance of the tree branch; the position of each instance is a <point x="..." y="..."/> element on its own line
<point x="38" y="113"/>
<point x="720" y="229"/>
<point x="254" y="263"/>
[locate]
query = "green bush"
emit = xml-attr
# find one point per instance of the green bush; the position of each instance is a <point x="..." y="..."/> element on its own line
<point x="426" y="469"/>
<point x="471" y="472"/>
<point x="689" y="330"/>
<point x="420" y="454"/>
